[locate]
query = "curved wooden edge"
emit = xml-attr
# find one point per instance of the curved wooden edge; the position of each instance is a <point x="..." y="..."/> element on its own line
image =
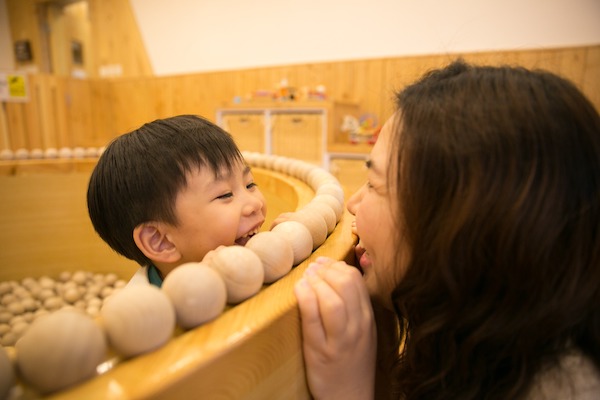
<point x="252" y="351"/>
<point x="51" y="166"/>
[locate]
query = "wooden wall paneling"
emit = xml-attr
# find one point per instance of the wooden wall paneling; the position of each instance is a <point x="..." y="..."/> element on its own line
<point x="17" y="125"/>
<point x="79" y="28"/>
<point x="51" y="111"/>
<point x="4" y="137"/>
<point x="24" y="25"/>
<point x="134" y="103"/>
<point x="343" y="84"/>
<point x="116" y="39"/>
<point x="90" y="112"/>
<point x="185" y="94"/>
<point x="63" y="98"/>
<point x="79" y="105"/>
<point x="162" y="95"/>
<point x="371" y="89"/>
<point x="40" y="90"/>
<point x="400" y="72"/>
<point x="102" y="110"/>
<point x="216" y="89"/>
<point x="59" y="39"/>
<point x="590" y="81"/>
<point x="50" y="226"/>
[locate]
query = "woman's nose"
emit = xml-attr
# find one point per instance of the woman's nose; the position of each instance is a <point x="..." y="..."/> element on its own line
<point x="354" y="200"/>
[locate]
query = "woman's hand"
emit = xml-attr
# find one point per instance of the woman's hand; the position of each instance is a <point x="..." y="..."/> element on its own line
<point x="339" y="338"/>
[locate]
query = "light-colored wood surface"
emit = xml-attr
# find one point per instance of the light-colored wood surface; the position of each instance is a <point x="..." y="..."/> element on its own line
<point x="252" y="351"/>
<point x="91" y="112"/>
<point x="45" y="228"/>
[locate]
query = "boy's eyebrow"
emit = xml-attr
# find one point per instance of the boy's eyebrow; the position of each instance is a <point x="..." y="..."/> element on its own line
<point x="223" y="175"/>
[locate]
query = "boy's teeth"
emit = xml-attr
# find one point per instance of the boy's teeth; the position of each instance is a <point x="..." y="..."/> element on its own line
<point x="253" y="232"/>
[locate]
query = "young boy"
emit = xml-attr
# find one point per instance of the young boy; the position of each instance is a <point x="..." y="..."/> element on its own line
<point x="171" y="191"/>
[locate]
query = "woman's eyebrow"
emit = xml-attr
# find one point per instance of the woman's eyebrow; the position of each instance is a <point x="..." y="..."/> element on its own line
<point x="368" y="163"/>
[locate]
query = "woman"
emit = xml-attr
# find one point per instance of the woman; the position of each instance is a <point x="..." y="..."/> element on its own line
<point x="481" y="224"/>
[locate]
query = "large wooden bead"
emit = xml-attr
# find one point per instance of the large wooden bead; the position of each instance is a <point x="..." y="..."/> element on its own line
<point x="298" y="236"/>
<point x="314" y="222"/>
<point x="7" y="374"/>
<point x="275" y="252"/>
<point x="325" y="211"/>
<point x="138" y="319"/>
<point x="333" y="202"/>
<point x="333" y="189"/>
<point x="197" y="292"/>
<point x="60" y="349"/>
<point x="241" y="269"/>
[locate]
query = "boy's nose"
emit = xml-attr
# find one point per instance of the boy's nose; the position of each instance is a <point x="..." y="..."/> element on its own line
<point x="252" y="205"/>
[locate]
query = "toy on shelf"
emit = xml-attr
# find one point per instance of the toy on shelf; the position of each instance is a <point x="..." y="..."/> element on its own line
<point x="364" y="129"/>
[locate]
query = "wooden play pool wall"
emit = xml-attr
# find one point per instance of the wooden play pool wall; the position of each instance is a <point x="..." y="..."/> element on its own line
<point x="252" y="351"/>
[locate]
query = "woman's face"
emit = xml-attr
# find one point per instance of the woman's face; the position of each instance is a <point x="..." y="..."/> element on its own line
<point x="375" y="208"/>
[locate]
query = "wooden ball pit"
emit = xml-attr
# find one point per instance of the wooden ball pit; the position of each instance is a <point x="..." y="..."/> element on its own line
<point x="251" y="351"/>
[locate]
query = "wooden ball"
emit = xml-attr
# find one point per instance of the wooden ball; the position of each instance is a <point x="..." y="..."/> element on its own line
<point x="325" y="211"/>
<point x="65" y="152"/>
<point x="7" y="374"/>
<point x="22" y="154"/>
<point x="6" y="154"/>
<point x="333" y="202"/>
<point x="138" y="319"/>
<point x="60" y="349"/>
<point x="298" y="236"/>
<point x="241" y="269"/>
<point x="36" y="154"/>
<point x="51" y="152"/>
<point x="275" y="252"/>
<point x="78" y="152"/>
<point x="197" y="292"/>
<point x="280" y="164"/>
<point x="333" y="189"/>
<point x="314" y="222"/>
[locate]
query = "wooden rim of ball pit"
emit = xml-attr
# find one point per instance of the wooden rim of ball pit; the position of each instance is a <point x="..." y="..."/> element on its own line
<point x="253" y="349"/>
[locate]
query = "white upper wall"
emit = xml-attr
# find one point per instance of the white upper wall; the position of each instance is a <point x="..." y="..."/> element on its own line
<point x="183" y="36"/>
<point x="186" y="36"/>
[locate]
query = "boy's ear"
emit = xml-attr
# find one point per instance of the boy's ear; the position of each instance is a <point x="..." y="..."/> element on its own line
<point x="152" y="240"/>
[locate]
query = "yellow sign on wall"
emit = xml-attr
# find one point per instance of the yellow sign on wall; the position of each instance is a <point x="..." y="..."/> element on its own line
<point x="13" y="87"/>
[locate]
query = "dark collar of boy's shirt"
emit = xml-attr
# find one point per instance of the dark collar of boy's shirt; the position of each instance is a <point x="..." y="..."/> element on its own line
<point x="154" y="276"/>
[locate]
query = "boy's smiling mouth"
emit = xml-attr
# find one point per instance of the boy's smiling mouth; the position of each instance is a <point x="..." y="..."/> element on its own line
<point x="242" y="240"/>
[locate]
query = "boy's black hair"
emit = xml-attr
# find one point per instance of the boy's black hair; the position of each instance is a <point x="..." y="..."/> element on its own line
<point x="140" y="173"/>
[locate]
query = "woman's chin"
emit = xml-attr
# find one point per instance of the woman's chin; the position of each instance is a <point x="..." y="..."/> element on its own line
<point x="365" y="262"/>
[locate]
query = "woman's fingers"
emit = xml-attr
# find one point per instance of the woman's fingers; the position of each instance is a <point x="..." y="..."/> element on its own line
<point x="310" y="316"/>
<point x="341" y="297"/>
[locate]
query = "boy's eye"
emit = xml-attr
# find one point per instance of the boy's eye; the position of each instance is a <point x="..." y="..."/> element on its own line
<point x="251" y="185"/>
<point x="225" y="196"/>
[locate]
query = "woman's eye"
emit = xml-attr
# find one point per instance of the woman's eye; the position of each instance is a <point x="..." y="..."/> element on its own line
<point x="368" y="185"/>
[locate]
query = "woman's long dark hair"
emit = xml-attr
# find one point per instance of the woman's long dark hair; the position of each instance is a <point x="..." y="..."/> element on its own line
<point x="499" y="192"/>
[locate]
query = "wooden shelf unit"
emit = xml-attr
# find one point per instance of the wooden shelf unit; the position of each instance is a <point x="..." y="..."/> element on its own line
<point x="309" y="131"/>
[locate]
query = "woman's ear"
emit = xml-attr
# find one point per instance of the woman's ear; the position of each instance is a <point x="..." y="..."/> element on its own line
<point x="152" y="240"/>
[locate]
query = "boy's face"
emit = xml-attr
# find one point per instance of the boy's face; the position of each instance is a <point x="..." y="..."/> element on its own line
<point x="225" y="210"/>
